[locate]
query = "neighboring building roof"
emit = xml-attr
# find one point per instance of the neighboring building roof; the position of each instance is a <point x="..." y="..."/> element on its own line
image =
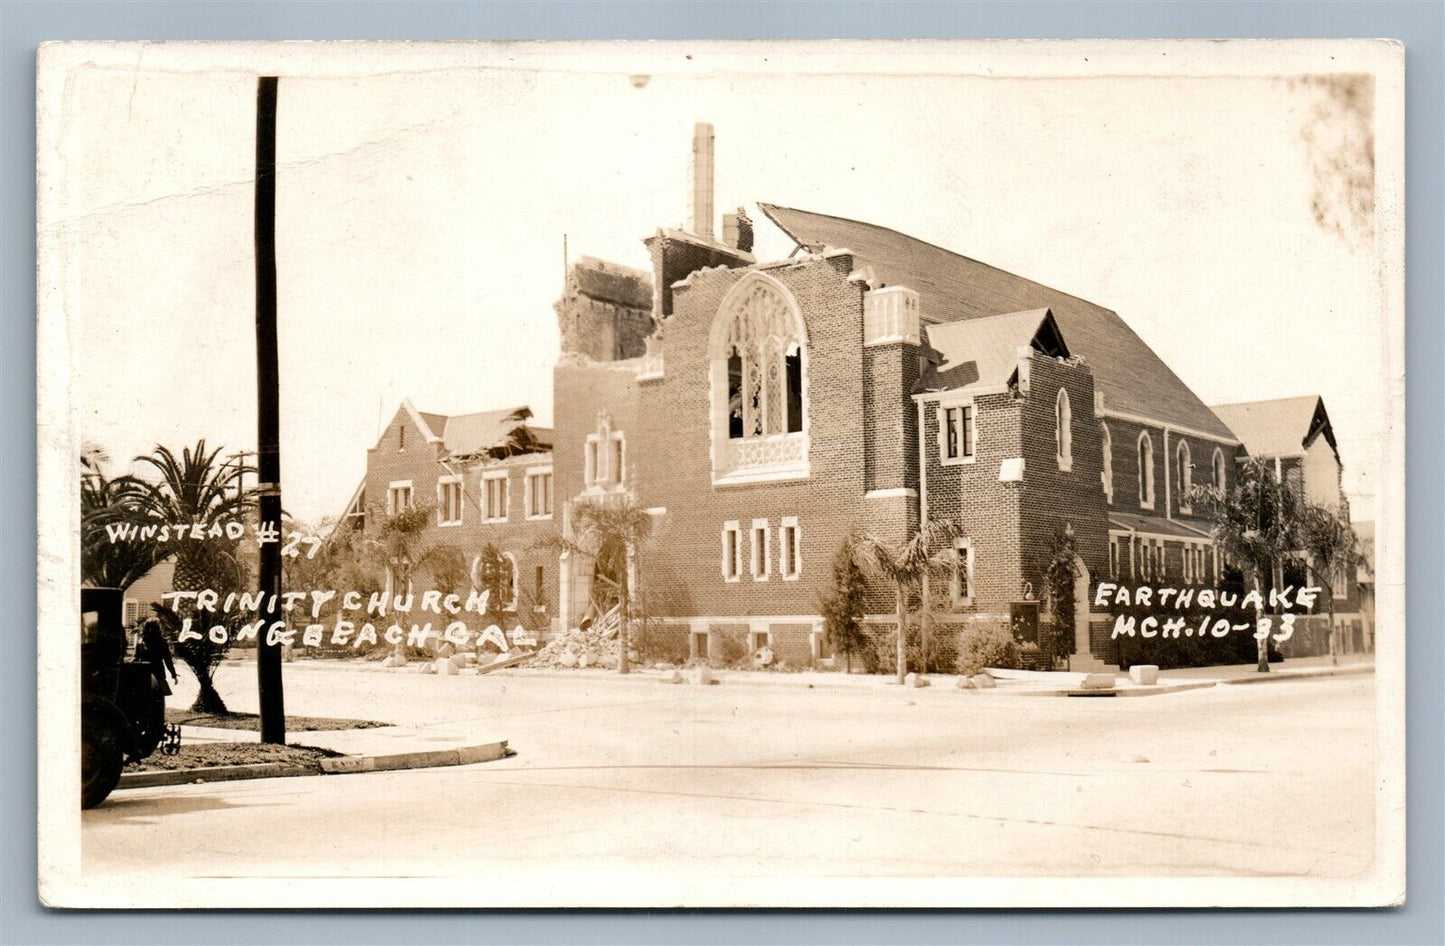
<point x="952" y="288"/>
<point x="612" y="282"/>
<point x="1283" y="427"/>
<point x="1157" y="525"/>
<point x="983" y="353"/>
<point x="467" y="434"/>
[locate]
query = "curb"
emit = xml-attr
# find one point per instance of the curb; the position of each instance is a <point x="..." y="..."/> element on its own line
<point x="1156" y="690"/>
<point x="214" y="773"/>
<point x="434" y="758"/>
<point x="337" y="765"/>
<point x="1279" y="676"/>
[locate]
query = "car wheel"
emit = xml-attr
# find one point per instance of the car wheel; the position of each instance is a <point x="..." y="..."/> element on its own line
<point x="101" y="760"/>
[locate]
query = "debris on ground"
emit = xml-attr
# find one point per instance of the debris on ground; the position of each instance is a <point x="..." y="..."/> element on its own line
<point x="204" y="755"/>
<point x="589" y="647"/>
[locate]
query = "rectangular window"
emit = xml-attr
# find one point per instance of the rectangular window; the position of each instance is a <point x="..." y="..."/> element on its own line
<point x="132" y="611"/>
<point x="1114" y="557"/>
<point x="762" y="550"/>
<point x="449" y="501"/>
<point x="732" y="538"/>
<point x="539" y="493"/>
<point x="961" y="581"/>
<point x="398" y="497"/>
<point x="956" y="434"/>
<point x="790" y="556"/>
<point x="589" y="460"/>
<point x="616" y="462"/>
<point x="494" y="493"/>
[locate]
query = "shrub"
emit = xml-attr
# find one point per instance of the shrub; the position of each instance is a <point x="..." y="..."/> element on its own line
<point x="983" y="646"/>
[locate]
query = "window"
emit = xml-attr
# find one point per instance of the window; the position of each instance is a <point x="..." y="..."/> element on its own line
<point x="1064" y="431"/>
<point x="759" y="364"/>
<point x="762" y="550"/>
<point x="1114" y="556"/>
<point x="511" y="572"/>
<point x="494" y="496"/>
<point x="131" y="609"/>
<point x="401" y="436"/>
<point x="616" y="464"/>
<point x="1219" y="482"/>
<point x="961" y="580"/>
<point x="732" y="538"/>
<point x="605" y="458"/>
<point x="539" y="493"/>
<point x="956" y="432"/>
<point x="1184" y="479"/>
<point x="449" y="501"/>
<point x="759" y="639"/>
<point x="790" y="556"/>
<point x="1146" y="471"/>
<point x="398" y="496"/>
<point x="1106" y="444"/>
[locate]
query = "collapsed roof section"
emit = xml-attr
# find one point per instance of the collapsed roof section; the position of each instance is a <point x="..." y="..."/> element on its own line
<point x="491" y="435"/>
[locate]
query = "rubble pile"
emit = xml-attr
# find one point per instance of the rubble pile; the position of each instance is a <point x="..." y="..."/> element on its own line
<point x="581" y="648"/>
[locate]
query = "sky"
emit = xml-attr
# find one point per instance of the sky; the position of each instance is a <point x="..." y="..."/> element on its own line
<point x="422" y="209"/>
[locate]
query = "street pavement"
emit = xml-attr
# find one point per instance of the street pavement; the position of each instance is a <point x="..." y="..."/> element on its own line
<point x="632" y="778"/>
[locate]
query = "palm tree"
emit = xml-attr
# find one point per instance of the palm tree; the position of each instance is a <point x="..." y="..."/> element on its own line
<point x="929" y="552"/>
<point x="1257" y="523"/>
<point x="400" y="548"/>
<point x="197" y="490"/>
<point x="603" y="527"/>
<point x="110" y="558"/>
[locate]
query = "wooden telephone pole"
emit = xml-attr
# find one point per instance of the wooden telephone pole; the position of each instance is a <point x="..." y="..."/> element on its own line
<point x="268" y="402"/>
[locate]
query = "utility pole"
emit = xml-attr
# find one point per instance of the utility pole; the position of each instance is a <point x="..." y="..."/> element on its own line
<point x="268" y="398"/>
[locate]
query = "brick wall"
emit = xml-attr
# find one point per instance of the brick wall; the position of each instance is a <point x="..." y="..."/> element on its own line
<point x="419" y="462"/>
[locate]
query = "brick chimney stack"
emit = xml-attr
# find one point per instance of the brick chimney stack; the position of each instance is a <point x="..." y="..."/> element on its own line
<point x="702" y="180"/>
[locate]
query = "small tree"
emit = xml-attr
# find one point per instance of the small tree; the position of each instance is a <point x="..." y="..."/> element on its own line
<point x="929" y="552"/>
<point x="1258" y="524"/>
<point x="1060" y="574"/>
<point x="1334" y="549"/>
<point x="602" y="524"/>
<point x="401" y="547"/>
<point x="494" y="577"/>
<point x="842" y="604"/>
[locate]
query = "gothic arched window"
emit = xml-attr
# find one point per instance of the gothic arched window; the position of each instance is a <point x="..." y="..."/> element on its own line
<point x="758" y="354"/>
<point x="1064" y="431"/>
<point x="1106" y="442"/>
<point x="1219" y="469"/>
<point x="1146" y="470"/>
<point x="1185" y="475"/>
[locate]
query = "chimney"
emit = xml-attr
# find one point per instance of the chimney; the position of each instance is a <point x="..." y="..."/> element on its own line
<point x="702" y="180"/>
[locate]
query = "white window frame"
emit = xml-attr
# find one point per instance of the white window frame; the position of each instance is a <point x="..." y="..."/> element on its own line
<point x="762" y="555"/>
<point x="1146" y="470"/>
<point x="391" y="491"/>
<point x="617" y="477"/>
<point x="529" y="491"/>
<point x="789" y="526"/>
<point x="1218" y="470"/>
<point x="755" y="637"/>
<point x="591" y="460"/>
<point x="971" y="438"/>
<point x="732" y="540"/>
<point x="964" y="546"/>
<point x="506" y="495"/>
<point x="1184" y="459"/>
<point x="1106" y="477"/>
<point x="442" y="483"/>
<point x="1064" y="431"/>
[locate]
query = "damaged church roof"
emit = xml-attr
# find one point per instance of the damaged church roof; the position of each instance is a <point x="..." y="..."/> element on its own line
<point x="1282" y="427"/>
<point x="504" y="430"/>
<point x="983" y="353"/>
<point x="954" y="288"/>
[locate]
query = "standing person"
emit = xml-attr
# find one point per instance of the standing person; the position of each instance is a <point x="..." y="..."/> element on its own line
<point x="155" y="650"/>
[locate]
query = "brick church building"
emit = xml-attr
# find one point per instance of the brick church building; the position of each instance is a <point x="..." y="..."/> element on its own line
<point x="760" y="411"/>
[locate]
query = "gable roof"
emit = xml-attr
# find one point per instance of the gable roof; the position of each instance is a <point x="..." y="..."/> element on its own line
<point x="466" y="434"/>
<point x="1282" y="427"/>
<point x="954" y="288"/>
<point x="983" y="353"/>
